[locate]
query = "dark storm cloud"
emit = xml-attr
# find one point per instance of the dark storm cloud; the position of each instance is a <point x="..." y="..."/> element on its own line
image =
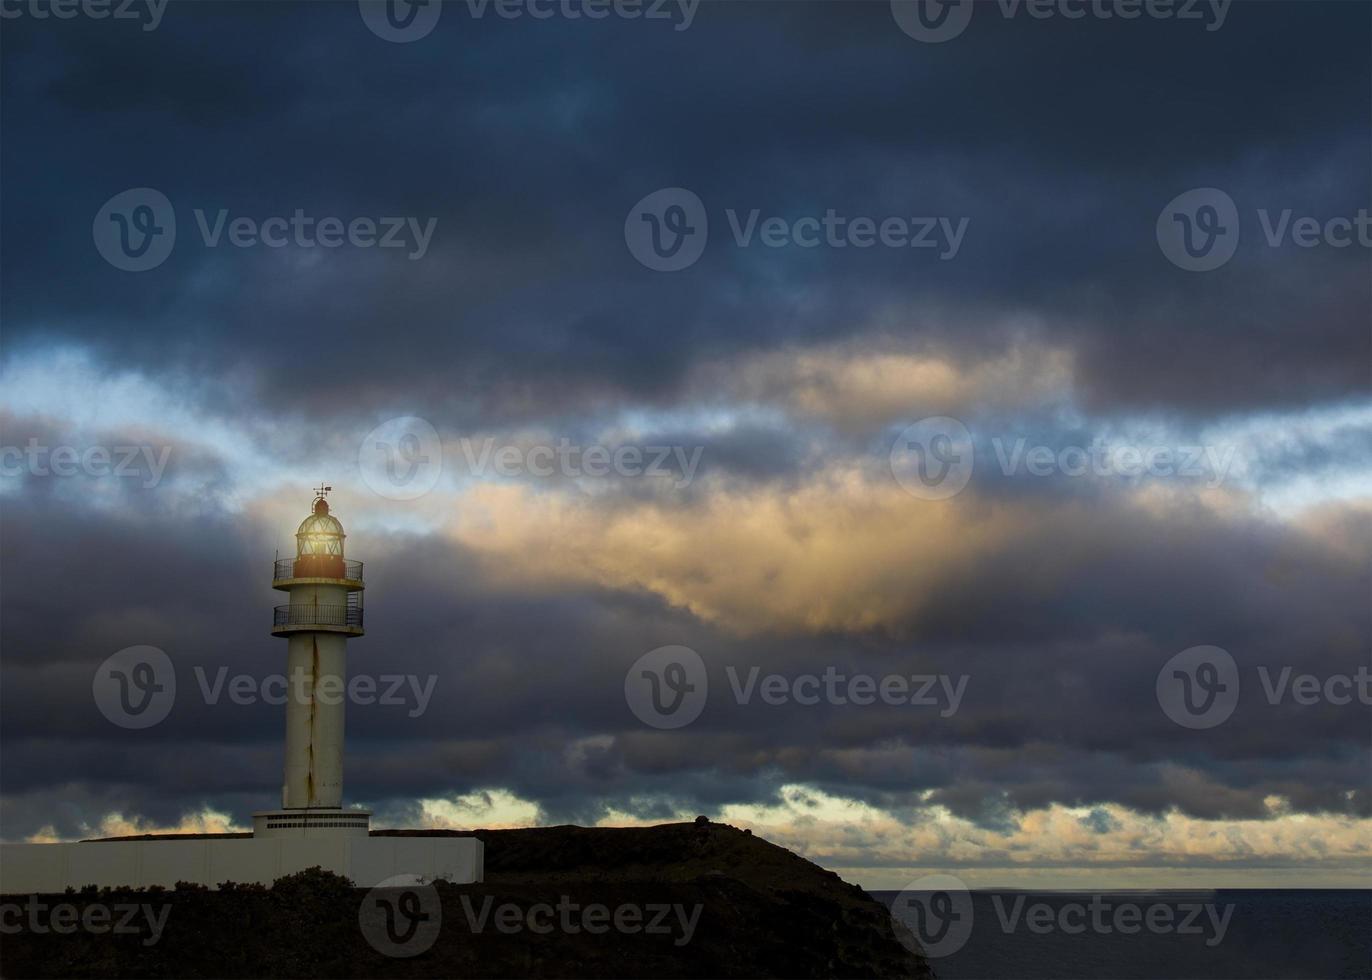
<point x="528" y="143"/>
<point x="1061" y="638"/>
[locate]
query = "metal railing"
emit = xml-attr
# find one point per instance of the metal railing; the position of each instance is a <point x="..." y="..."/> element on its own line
<point x="317" y="566"/>
<point x="311" y="615"/>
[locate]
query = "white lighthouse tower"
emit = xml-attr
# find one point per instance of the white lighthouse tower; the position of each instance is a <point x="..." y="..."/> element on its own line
<point x="324" y="611"/>
<point x="311" y="829"/>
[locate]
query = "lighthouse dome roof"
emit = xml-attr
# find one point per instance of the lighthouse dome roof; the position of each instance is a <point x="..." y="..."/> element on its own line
<point x="320" y="533"/>
<point x="321" y="524"/>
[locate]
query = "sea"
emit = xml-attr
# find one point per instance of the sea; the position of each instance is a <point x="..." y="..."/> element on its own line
<point x="1226" y="934"/>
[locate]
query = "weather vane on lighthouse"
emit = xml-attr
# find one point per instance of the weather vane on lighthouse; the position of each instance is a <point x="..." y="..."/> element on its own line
<point x="324" y="611"/>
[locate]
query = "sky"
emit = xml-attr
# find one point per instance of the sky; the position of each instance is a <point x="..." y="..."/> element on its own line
<point x="972" y="401"/>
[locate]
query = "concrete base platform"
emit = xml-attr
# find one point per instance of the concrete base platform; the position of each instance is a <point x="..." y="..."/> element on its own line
<point x="47" y="868"/>
<point x="311" y="823"/>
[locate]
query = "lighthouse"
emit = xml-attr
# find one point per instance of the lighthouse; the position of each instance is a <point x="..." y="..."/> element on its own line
<point x="324" y="612"/>
<point x="312" y="829"/>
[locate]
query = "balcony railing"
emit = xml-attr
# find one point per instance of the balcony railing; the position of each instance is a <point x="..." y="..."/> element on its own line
<point x="311" y="615"/>
<point x="317" y="566"/>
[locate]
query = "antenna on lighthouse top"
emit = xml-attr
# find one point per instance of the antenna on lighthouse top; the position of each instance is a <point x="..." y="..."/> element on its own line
<point x="320" y="504"/>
